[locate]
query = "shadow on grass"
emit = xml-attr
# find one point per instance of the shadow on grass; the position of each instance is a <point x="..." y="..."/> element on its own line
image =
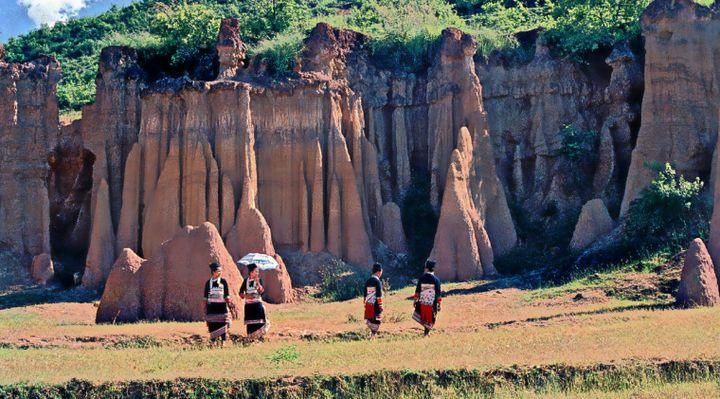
<point x="35" y="295"/>
<point x="619" y="309"/>
<point x="525" y="282"/>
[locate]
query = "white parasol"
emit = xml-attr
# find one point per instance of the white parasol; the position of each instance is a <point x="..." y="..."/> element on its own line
<point x="263" y="262"/>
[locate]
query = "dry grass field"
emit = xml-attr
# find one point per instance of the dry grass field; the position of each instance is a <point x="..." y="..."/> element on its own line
<point x="483" y="326"/>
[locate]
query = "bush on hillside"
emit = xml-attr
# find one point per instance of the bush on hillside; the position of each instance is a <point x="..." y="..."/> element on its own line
<point x="280" y="53"/>
<point x="402" y="33"/>
<point x="669" y="212"/>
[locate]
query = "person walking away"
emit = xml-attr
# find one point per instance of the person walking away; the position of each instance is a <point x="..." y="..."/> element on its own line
<point x="428" y="296"/>
<point x="374" y="299"/>
<point x="251" y="291"/>
<point x="217" y="301"/>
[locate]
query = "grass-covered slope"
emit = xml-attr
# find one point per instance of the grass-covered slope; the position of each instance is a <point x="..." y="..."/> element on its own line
<point x="401" y="31"/>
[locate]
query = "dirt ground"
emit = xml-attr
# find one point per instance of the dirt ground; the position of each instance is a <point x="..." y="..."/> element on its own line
<point x="467" y="307"/>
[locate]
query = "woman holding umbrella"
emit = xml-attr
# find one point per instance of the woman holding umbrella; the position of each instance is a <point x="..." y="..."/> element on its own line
<point x="251" y="291"/>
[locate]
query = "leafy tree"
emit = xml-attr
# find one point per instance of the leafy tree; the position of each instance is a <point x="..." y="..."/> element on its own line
<point x="581" y="26"/>
<point x="404" y="31"/>
<point x="265" y="18"/>
<point x="186" y="28"/>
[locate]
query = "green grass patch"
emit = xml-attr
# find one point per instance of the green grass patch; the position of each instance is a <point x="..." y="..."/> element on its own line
<point x="606" y="279"/>
<point x="286" y="354"/>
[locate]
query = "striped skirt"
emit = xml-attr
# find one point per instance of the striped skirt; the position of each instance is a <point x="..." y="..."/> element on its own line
<point x="218" y="324"/>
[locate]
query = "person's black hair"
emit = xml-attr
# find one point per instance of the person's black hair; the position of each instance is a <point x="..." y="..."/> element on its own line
<point x="430" y="265"/>
<point x="214" y="266"/>
<point x="251" y="267"/>
<point x="376" y="267"/>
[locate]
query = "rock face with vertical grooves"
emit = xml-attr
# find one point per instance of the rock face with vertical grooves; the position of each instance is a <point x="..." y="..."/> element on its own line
<point x="679" y="108"/>
<point x="462" y="248"/>
<point x="101" y="254"/>
<point x="393" y="234"/>
<point x="28" y="133"/>
<point x="323" y="162"/>
<point x="129" y="226"/>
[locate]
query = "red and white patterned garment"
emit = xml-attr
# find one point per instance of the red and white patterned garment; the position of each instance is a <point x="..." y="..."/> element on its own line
<point x="373" y="303"/>
<point x="428" y="296"/>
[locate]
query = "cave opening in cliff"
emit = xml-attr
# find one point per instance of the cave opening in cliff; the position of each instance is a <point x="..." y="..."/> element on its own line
<point x="419" y="219"/>
<point x="69" y="191"/>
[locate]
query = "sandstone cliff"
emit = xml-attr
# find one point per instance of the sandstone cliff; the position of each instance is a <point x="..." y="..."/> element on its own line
<point x="306" y="157"/>
<point x="679" y="108"/>
<point x="321" y="162"/>
<point x="28" y="133"/>
<point x="529" y="104"/>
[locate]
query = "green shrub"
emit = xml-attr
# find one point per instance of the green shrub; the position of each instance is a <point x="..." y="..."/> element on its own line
<point x="669" y="212"/>
<point x="512" y="17"/>
<point x="339" y="282"/>
<point x="578" y="144"/>
<point x="403" y="32"/>
<point x="185" y="28"/>
<point x="582" y="26"/>
<point x="573" y="28"/>
<point x="77" y="86"/>
<point x="263" y="19"/>
<point x="280" y="52"/>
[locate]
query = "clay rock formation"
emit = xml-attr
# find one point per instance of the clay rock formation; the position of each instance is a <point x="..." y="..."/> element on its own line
<point x="679" y="108"/>
<point x="251" y="234"/>
<point x="593" y="223"/>
<point x="456" y="101"/>
<point x="129" y="225"/>
<point x="353" y="139"/>
<point x="172" y="280"/>
<point x="230" y="48"/>
<point x="101" y="254"/>
<point x="698" y="282"/>
<point x="528" y="106"/>
<point x="462" y="247"/>
<point x="28" y="133"/>
<point x="714" y="236"/>
<point x="110" y="126"/>
<point x="121" y="300"/>
<point x="393" y="234"/>
<point x="167" y="287"/>
<point x="42" y="269"/>
<point x="162" y="211"/>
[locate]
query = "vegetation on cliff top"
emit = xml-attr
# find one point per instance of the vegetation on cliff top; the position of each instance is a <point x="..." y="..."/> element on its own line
<point x="402" y="32"/>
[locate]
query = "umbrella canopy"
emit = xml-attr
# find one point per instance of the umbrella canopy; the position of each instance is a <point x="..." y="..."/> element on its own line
<point x="263" y="262"/>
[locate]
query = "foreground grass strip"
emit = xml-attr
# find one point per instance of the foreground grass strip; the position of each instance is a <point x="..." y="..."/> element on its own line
<point x="459" y="383"/>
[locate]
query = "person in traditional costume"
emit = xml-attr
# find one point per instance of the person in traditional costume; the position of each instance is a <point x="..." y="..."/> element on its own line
<point x="217" y="301"/>
<point x="428" y="296"/>
<point x="374" y="299"/>
<point x="251" y="291"/>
